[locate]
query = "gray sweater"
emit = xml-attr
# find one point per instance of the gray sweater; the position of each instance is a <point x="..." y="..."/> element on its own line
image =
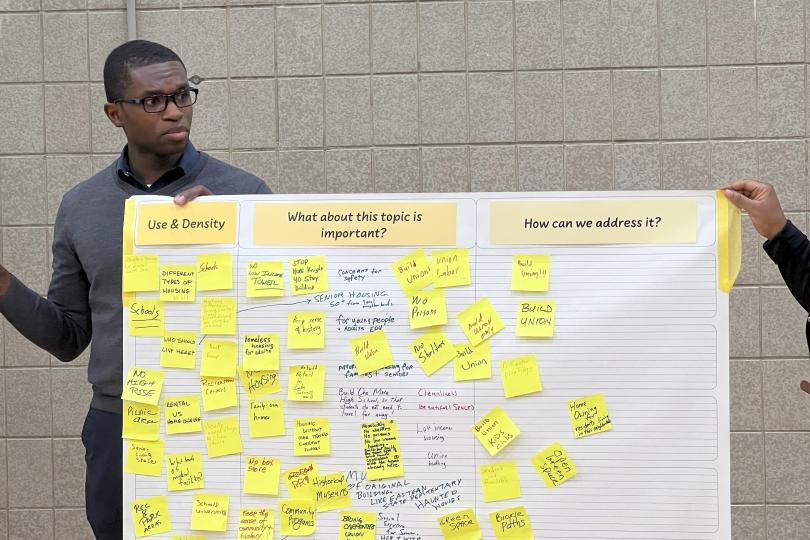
<point x="84" y="297"/>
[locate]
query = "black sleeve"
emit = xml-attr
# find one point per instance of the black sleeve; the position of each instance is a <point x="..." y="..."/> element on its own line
<point x="790" y="250"/>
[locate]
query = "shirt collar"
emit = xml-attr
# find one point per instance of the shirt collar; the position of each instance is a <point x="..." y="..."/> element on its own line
<point x="186" y="162"/>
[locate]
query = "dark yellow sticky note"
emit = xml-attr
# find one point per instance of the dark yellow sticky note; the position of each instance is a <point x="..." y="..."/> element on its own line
<point x="381" y="450"/>
<point x="145" y="318"/>
<point x="178" y="283"/>
<point x="141" y="421"/>
<point x="215" y="272"/>
<point x="306" y="330"/>
<point x="331" y="492"/>
<point x="520" y="376"/>
<point x="140" y="273"/>
<point x="311" y="437"/>
<point x="530" y="272"/>
<point x="308" y="275"/>
<point x="535" y="318"/>
<point x="432" y="350"/>
<point x="219" y="359"/>
<point x="209" y="512"/>
<point x="261" y="475"/>
<point x="150" y="516"/>
<point x="480" y="321"/>
<point x="495" y="430"/>
<point x="178" y="349"/>
<point x="255" y="524"/>
<point x="511" y="524"/>
<point x="259" y="383"/>
<point x="266" y="418"/>
<point x="296" y="517"/>
<point x="371" y="352"/>
<point x="260" y="352"/>
<point x="143" y="385"/>
<point x="452" y="267"/>
<point x="265" y="279"/>
<point x="222" y="436"/>
<point x="554" y="465"/>
<point x="144" y="457"/>
<point x="184" y="471"/>
<point x="182" y="414"/>
<point x="460" y="525"/>
<point x="357" y="525"/>
<point x="218" y="393"/>
<point x="499" y="481"/>
<point x="472" y="363"/>
<point x="299" y="481"/>
<point x="589" y="415"/>
<point x="413" y="271"/>
<point x="218" y="315"/>
<point x="427" y="308"/>
<point x="306" y="382"/>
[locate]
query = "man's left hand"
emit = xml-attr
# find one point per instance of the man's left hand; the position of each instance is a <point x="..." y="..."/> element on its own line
<point x="190" y="194"/>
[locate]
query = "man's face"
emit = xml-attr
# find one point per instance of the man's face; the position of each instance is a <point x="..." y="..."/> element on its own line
<point x="163" y="133"/>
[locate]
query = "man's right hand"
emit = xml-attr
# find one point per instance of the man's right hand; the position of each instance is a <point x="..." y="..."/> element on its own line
<point x="5" y="280"/>
<point x="761" y="203"/>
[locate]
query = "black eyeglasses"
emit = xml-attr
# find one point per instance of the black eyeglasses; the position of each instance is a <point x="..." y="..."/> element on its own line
<point x="158" y="102"/>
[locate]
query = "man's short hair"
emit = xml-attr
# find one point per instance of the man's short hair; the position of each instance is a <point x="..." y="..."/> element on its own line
<point x="132" y="55"/>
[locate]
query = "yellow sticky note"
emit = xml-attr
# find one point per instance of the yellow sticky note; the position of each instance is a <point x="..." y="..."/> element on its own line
<point x="215" y="272"/>
<point x="413" y="271"/>
<point x="535" y="318"/>
<point x="500" y="481"/>
<point x="520" y="376"/>
<point x="472" y="363"/>
<point x="452" y="267"/>
<point x="261" y="475"/>
<point x="222" y="436"/>
<point x="427" y="308"/>
<point x="265" y="279"/>
<point x="460" y="525"/>
<point x="299" y="481"/>
<point x="306" y="330"/>
<point x="150" y="516"/>
<point x="178" y="283"/>
<point x="218" y="359"/>
<point x="259" y="383"/>
<point x="357" y="525"/>
<point x="480" y="321"/>
<point x="184" y="471"/>
<point x="140" y="273"/>
<point x="297" y="517"/>
<point x="311" y="437"/>
<point x="381" y="450"/>
<point x="143" y="385"/>
<point x="331" y="492"/>
<point x="255" y="524"/>
<point x="182" y="414"/>
<point x="178" y="349"/>
<point x="308" y="275"/>
<point x="209" y="512"/>
<point x="144" y="457"/>
<point x="218" y="315"/>
<point x="589" y="415"/>
<point x="218" y="393"/>
<point x="141" y="421"/>
<point x="511" y="524"/>
<point x="554" y="465"/>
<point x="146" y="318"/>
<point x="306" y="382"/>
<point x="371" y="352"/>
<point x="266" y="418"/>
<point x="530" y="273"/>
<point x="495" y="430"/>
<point x="260" y="352"/>
<point x="432" y="351"/>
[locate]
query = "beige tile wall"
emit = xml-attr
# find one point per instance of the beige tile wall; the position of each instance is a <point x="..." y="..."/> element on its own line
<point x="425" y="96"/>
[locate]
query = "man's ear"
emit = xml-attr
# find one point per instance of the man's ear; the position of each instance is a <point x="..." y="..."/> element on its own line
<point x="113" y="112"/>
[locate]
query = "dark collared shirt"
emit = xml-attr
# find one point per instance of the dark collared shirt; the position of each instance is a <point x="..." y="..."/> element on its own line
<point x="183" y="165"/>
